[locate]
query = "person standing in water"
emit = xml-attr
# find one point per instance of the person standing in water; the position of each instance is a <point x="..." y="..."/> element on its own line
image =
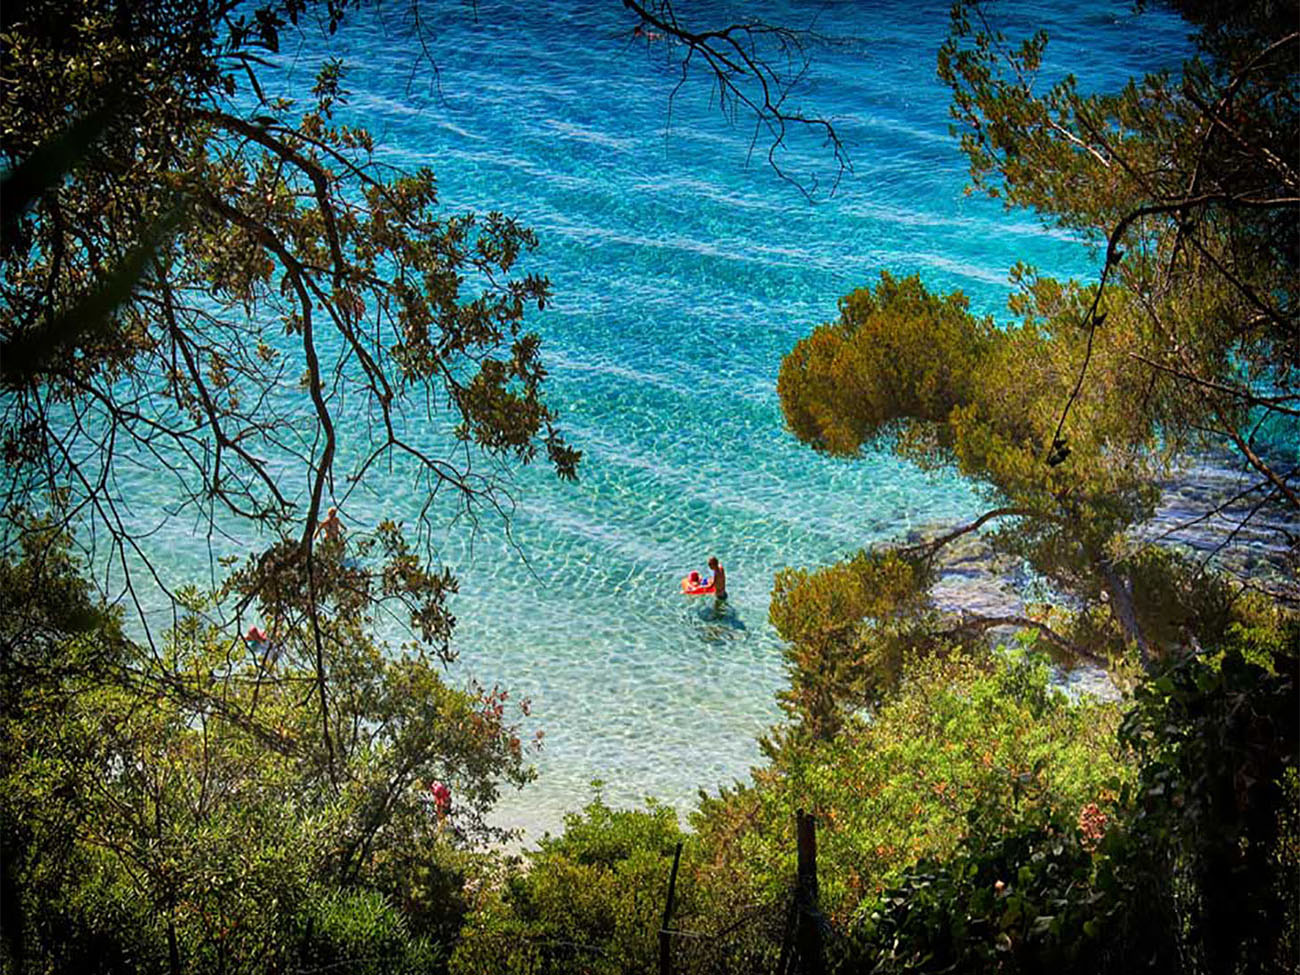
<point x="331" y="529"/>
<point x="719" y="578"/>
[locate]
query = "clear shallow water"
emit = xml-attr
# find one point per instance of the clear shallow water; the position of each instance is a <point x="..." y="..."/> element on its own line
<point x="681" y="275"/>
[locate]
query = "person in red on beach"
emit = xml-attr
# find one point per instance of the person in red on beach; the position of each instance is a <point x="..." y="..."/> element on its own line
<point x="259" y="642"/>
<point x="441" y="800"/>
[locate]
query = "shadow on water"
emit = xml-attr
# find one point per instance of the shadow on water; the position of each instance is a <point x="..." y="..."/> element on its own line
<point x="715" y="622"/>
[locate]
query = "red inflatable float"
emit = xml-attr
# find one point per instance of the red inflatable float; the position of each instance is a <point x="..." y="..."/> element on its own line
<point x="693" y="585"/>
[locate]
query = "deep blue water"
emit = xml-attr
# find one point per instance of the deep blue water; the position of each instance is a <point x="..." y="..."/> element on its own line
<point x="683" y="268"/>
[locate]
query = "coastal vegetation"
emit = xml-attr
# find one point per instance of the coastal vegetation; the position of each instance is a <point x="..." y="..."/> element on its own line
<point x="178" y="240"/>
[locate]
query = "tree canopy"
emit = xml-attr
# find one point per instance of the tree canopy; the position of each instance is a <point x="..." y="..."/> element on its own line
<point x="286" y="276"/>
<point x="180" y="810"/>
<point x="1190" y="180"/>
<point x="1070" y="417"/>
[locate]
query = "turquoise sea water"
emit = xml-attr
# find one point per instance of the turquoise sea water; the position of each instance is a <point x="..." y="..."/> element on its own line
<point x="683" y="268"/>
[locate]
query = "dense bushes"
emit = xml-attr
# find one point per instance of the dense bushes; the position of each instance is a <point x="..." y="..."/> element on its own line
<point x="959" y="734"/>
<point x="173" y="808"/>
<point x="590" y="901"/>
<point x="1194" y="870"/>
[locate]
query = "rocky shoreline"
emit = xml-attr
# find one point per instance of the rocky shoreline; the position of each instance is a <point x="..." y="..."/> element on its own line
<point x="1209" y="512"/>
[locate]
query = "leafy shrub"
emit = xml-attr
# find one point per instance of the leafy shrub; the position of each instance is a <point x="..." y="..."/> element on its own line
<point x="174" y="809"/>
<point x="898" y="786"/>
<point x="358" y="932"/>
<point x="1219" y="739"/>
<point x="1018" y="902"/>
<point x="1194" y="870"/>
<point x="589" y="901"/>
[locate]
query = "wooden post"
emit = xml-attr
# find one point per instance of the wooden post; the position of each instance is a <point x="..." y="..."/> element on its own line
<point x="665" y="938"/>
<point x="808" y="937"/>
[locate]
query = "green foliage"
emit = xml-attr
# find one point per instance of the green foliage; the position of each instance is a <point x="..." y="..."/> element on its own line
<point x="898" y="353"/>
<point x="209" y="293"/>
<point x="358" y="931"/>
<point x="589" y="901"/>
<point x="1189" y="174"/>
<point x="1194" y="869"/>
<point x="175" y="809"/>
<point x="1219" y="740"/>
<point x="917" y="371"/>
<point x="1070" y="417"/>
<point x="847" y="628"/>
<point x="959" y="734"/>
<point x="986" y="401"/>
<point x="1067" y="419"/>
<point x="1016" y="903"/>
<point x="1069" y="522"/>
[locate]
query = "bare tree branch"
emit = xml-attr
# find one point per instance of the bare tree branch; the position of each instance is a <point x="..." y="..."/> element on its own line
<point x="755" y="66"/>
<point x="979" y="624"/>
